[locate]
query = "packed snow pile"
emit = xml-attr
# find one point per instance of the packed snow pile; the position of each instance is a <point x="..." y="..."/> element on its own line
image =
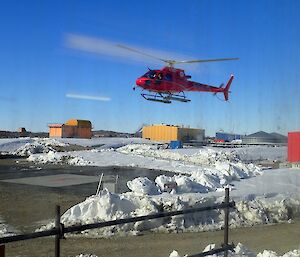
<point x="59" y="158"/>
<point x="8" y="145"/>
<point x="264" y="210"/>
<point x="105" y="142"/>
<point x="4" y="229"/>
<point x="204" y="156"/>
<point x="198" y="182"/>
<point x="143" y="186"/>
<point x="212" y="170"/>
<point x="241" y="250"/>
<point x="86" y="255"/>
<point x="37" y="145"/>
<point x="108" y="206"/>
<point x="43" y="150"/>
<point x="260" y="153"/>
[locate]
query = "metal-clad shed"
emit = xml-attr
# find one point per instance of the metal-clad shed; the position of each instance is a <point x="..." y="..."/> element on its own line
<point x="280" y="138"/>
<point x="263" y="137"/>
<point x="191" y="134"/>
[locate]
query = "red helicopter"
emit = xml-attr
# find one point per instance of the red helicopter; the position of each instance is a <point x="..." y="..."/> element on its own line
<point x="169" y="83"/>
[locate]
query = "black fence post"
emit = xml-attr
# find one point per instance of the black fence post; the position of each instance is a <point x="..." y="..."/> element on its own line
<point x="57" y="227"/>
<point x="226" y="221"/>
<point x="2" y="250"/>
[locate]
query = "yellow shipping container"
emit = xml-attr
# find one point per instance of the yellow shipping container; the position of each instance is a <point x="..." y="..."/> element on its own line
<point x="164" y="133"/>
<point x="167" y="133"/>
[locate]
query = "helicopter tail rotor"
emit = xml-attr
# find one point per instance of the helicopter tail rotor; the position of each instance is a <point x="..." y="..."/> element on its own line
<point x="226" y="89"/>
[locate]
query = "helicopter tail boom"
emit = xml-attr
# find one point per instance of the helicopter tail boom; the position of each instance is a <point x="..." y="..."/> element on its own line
<point x="226" y="89"/>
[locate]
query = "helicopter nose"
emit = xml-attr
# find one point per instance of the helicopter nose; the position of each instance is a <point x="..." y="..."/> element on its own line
<point x="143" y="82"/>
<point x="139" y="82"/>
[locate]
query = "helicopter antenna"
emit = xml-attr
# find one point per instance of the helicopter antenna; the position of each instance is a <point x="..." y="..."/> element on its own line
<point x="171" y="63"/>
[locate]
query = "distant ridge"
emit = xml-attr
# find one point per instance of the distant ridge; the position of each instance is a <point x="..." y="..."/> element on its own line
<point x="14" y="134"/>
<point x="109" y="133"/>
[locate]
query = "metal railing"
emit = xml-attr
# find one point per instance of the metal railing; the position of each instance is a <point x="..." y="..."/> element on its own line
<point x="60" y="229"/>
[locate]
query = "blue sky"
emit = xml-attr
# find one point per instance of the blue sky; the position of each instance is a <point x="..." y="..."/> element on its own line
<point x="38" y="69"/>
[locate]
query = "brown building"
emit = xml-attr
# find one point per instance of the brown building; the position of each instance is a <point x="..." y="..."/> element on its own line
<point x="72" y="129"/>
<point x="22" y="132"/>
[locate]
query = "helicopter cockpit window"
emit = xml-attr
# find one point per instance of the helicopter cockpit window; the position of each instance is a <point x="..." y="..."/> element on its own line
<point x="150" y="74"/>
<point x="168" y="77"/>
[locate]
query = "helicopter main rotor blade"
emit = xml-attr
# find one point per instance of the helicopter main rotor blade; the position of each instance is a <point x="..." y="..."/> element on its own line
<point x="207" y="60"/>
<point x="172" y="62"/>
<point x="108" y="48"/>
<point x="139" y="52"/>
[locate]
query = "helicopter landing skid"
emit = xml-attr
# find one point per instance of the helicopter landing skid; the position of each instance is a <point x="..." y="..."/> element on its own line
<point x="165" y="98"/>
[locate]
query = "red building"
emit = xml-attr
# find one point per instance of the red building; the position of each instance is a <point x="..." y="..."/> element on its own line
<point x="294" y="147"/>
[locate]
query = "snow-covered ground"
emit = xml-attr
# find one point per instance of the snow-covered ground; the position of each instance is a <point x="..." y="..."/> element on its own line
<point x="200" y="175"/>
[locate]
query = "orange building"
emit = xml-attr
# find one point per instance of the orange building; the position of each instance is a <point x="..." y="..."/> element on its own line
<point x="72" y="129"/>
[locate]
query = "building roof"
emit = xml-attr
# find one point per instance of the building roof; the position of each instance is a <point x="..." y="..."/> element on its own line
<point x="55" y="125"/>
<point x="79" y="123"/>
<point x="260" y="134"/>
<point x="278" y="136"/>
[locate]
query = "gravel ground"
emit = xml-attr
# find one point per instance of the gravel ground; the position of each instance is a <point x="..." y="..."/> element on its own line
<point x="280" y="238"/>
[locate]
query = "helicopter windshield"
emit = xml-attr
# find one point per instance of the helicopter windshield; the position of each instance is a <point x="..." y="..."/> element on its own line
<point x="150" y="74"/>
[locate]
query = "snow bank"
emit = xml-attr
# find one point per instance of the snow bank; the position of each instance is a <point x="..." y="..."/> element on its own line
<point x="12" y="144"/>
<point x="58" y="158"/>
<point x="4" y="229"/>
<point x="202" y="170"/>
<point x="259" y="153"/>
<point x="204" y="156"/>
<point x="29" y="146"/>
<point x="143" y="186"/>
<point x="226" y="163"/>
<point x="104" y="142"/>
<point x="86" y="255"/>
<point x="41" y="150"/>
<point x="108" y="206"/>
